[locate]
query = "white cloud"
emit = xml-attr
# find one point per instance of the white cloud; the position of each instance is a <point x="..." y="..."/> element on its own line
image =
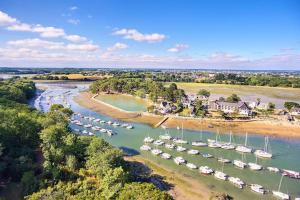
<point x="73" y="8"/>
<point x="75" y="38"/>
<point x="44" y="44"/>
<point x="117" y="46"/>
<point x="178" y="47"/>
<point x="133" y="34"/>
<point x="13" y="24"/>
<point x="6" y="20"/>
<point x="73" y="21"/>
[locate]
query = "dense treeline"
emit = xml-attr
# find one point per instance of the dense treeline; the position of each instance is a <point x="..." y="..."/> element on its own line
<point x="255" y="80"/>
<point x="48" y="161"/>
<point x="138" y="86"/>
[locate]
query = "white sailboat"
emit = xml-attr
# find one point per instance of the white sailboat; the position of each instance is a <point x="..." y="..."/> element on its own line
<point x="191" y="166"/>
<point x="193" y="152"/>
<point x="254" y="166"/>
<point x="179" y="160"/>
<point x="148" y="139"/>
<point x="229" y="145"/>
<point x="279" y="194"/>
<point x="257" y="188"/>
<point x="206" y="170"/>
<point x="200" y="142"/>
<point x="165" y="156"/>
<point x="237" y="182"/>
<point x="244" y="149"/>
<point x="220" y="174"/>
<point x="170" y="146"/>
<point x="156" y="152"/>
<point x="180" y="148"/>
<point x="145" y="148"/>
<point x="264" y="153"/>
<point x="240" y="164"/>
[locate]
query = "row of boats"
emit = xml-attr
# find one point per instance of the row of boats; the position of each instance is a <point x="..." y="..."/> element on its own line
<point x="217" y="174"/>
<point x="237" y="163"/>
<point x="97" y="120"/>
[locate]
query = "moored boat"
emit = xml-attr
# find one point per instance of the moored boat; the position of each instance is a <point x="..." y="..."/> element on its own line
<point x="220" y="175"/>
<point x="199" y="144"/>
<point x="224" y="160"/>
<point x="156" y="152"/>
<point x="165" y="137"/>
<point x="145" y="148"/>
<point x="148" y="140"/>
<point x="166" y="156"/>
<point x="236" y="181"/>
<point x="207" y="155"/>
<point x="257" y="188"/>
<point x="273" y="169"/>
<point x="158" y="142"/>
<point x="206" y="170"/>
<point x="170" y="146"/>
<point x="191" y="166"/>
<point x="179" y="160"/>
<point x="254" y="166"/>
<point x="193" y="152"/>
<point x="291" y="173"/>
<point x="180" y="148"/>
<point x="240" y="164"/>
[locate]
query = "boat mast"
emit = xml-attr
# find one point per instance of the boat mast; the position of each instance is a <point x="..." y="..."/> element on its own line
<point x="246" y="139"/>
<point x="230" y="137"/>
<point x="280" y="183"/>
<point x="182" y="131"/>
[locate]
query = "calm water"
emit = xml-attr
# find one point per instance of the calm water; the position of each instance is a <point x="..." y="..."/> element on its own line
<point x="286" y="152"/>
<point x="124" y="102"/>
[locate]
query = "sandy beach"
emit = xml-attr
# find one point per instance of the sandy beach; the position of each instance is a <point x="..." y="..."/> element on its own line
<point x="266" y="127"/>
<point x="183" y="187"/>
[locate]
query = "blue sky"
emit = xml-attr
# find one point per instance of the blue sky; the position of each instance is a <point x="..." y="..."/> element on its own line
<point x="231" y="34"/>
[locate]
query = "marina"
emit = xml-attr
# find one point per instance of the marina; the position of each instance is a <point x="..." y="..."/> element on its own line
<point x="284" y="152"/>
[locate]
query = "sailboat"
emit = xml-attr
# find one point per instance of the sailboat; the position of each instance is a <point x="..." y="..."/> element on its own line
<point x="221" y="175"/>
<point x="255" y="166"/>
<point x="228" y="146"/>
<point x="264" y="153"/>
<point x="244" y="149"/>
<point x="178" y="140"/>
<point x="199" y="143"/>
<point x="214" y="143"/>
<point x="279" y="194"/>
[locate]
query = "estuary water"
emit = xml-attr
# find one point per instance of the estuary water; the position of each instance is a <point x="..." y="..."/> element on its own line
<point x="286" y="152"/>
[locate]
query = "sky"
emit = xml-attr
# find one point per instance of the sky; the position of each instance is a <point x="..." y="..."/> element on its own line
<point x="211" y="34"/>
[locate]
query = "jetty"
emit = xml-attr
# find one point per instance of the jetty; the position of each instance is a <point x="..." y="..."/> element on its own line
<point x="161" y="122"/>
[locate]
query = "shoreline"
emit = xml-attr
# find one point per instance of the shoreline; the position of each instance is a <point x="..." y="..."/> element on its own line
<point x="267" y="127"/>
<point x="184" y="187"/>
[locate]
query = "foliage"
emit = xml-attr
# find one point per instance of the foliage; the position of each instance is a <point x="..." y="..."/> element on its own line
<point x="233" y="98"/>
<point x="290" y="105"/>
<point x="141" y="191"/>
<point x="204" y="93"/>
<point x="139" y="87"/>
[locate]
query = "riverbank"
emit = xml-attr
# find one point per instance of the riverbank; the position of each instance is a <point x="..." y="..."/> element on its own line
<point x="183" y="187"/>
<point x="266" y="127"/>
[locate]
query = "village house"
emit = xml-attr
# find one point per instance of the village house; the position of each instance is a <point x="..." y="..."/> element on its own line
<point x="227" y="107"/>
<point x="295" y="111"/>
<point x="166" y="107"/>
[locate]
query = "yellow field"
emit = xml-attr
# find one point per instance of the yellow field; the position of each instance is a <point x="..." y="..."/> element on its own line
<point x="284" y="94"/>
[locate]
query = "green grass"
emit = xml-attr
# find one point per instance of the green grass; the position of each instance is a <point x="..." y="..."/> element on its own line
<point x="288" y="94"/>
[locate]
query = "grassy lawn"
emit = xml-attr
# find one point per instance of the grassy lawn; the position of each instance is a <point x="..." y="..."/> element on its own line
<point x="287" y="94"/>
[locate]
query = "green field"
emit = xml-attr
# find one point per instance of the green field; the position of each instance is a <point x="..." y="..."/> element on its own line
<point x="278" y="95"/>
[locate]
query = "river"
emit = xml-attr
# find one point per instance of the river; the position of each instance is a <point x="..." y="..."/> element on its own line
<point x="286" y="152"/>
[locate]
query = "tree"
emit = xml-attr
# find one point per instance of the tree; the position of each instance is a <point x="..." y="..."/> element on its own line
<point x="290" y="105"/>
<point x="204" y="93"/>
<point x="141" y="191"/>
<point x="29" y="183"/>
<point x="233" y="98"/>
<point x="271" y="106"/>
<point x="113" y="182"/>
